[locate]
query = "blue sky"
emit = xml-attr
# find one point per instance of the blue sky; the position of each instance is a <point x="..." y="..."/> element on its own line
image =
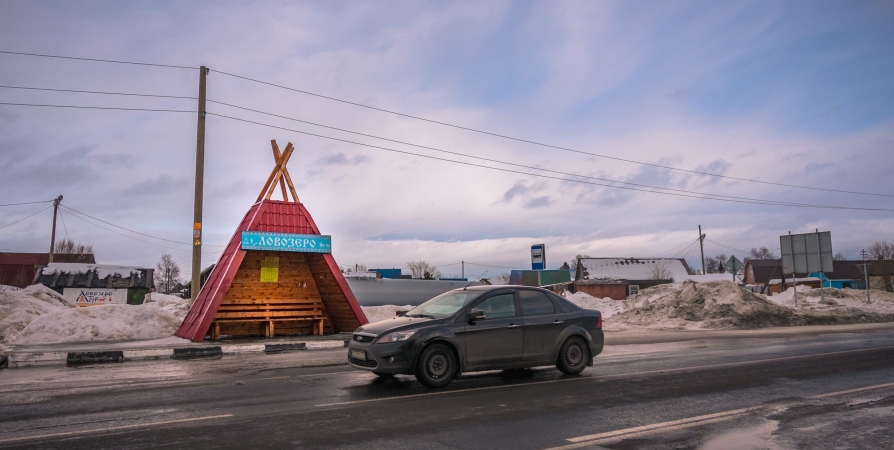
<point x="788" y="92"/>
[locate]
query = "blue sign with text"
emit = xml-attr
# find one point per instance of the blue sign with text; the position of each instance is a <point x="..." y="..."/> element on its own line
<point x="284" y="242"/>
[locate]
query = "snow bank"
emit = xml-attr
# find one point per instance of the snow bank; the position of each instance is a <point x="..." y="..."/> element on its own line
<point x="723" y="304"/>
<point x="606" y="306"/>
<point x="39" y="315"/>
<point x="377" y="313"/>
<point x="4" y="288"/>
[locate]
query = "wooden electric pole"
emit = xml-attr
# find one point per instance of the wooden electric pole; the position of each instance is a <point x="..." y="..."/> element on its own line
<point x="56" y="202"/>
<point x="701" y="243"/>
<point x="195" y="284"/>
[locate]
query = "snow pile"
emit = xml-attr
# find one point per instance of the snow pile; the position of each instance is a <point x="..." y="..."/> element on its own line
<point x="20" y="307"/>
<point x="39" y="315"/>
<point x="836" y="301"/>
<point x="4" y="287"/>
<point x="377" y="313"/>
<point x="606" y="306"/>
<point x="723" y="304"/>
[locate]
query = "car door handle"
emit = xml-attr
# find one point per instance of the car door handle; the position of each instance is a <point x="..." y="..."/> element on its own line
<point x="512" y="325"/>
<point x="558" y="322"/>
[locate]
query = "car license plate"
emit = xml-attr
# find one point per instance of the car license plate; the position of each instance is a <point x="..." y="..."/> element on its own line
<point x="358" y="354"/>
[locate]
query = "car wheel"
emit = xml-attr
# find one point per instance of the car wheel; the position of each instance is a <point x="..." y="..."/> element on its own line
<point x="573" y="356"/>
<point x="436" y="366"/>
<point x="384" y="376"/>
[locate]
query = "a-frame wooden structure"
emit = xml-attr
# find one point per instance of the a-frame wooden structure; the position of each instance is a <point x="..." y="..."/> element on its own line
<point x="309" y="296"/>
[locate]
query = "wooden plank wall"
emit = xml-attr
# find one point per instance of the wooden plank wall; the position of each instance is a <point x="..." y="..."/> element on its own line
<point x="340" y="313"/>
<point x="293" y="304"/>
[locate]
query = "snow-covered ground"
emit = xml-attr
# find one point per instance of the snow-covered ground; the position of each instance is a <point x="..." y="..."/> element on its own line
<point x="377" y="313"/>
<point x="38" y="315"/>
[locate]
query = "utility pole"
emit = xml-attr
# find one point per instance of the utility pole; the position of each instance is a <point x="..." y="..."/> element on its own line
<point x="865" y="274"/>
<point x="701" y="242"/>
<point x="196" y="282"/>
<point x="56" y="202"/>
<point x="464" y="269"/>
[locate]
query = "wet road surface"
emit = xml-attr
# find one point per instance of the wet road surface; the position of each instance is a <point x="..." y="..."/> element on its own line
<point x="814" y="391"/>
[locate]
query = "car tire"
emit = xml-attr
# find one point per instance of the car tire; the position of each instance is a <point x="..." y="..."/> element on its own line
<point x="436" y="367"/>
<point x="384" y="376"/>
<point x="573" y="356"/>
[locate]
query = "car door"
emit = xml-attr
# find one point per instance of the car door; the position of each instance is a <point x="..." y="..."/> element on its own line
<point x="496" y="339"/>
<point x="543" y="324"/>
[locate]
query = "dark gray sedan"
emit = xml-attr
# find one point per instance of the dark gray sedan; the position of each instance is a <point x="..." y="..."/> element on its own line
<point x="480" y="328"/>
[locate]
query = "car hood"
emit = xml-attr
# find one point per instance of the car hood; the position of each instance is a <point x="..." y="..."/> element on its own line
<point x="395" y="323"/>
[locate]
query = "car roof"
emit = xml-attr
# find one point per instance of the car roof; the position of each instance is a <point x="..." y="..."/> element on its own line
<point x="497" y="286"/>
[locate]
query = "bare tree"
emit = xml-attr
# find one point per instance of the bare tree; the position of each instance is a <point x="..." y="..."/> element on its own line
<point x="714" y="264"/>
<point x="881" y="250"/>
<point x="66" y="246"/>
<point x="572" y="264"/>
<point x="422" y="269"/>
<point x="839" y="257"/>
<point x="501" y="279"/>
<point x="167" y="274"/>
<point x="660" y="271"/>
<point x="761" y="253"/>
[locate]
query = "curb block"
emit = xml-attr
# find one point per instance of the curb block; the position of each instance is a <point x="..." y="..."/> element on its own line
<point x="197" y="352"/>
<point x="279" y="348"/>
<point x="94" y="357"/>
<point x="14" y="360"/>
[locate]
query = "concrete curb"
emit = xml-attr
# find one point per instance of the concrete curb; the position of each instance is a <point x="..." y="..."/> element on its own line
<point x="62" y="358"/>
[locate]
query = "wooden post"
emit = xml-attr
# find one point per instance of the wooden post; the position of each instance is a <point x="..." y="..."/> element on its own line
<point x="53" y="234"/>
<point x="196" y="283"/>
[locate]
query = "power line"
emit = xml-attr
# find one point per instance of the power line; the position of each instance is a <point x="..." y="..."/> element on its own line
<point x="674" y="248"/>
<point x="98" y="92"/>
<point x="727" y="246"/>
<point x="498" y="161"/>
<point x="441" y="123"/>
<point x="64" y="227"/>
<point x="133" y="231"/>
<point x="129" y="237"/>
<point x="32" y="215"/>
<point x="488" y="265"/>
<point x="99" y="107"/>
<point x="527" y="141"/>
<point x="27" y="203"/>
<point x="716" y="198"/>
<point x="99" y="60"/>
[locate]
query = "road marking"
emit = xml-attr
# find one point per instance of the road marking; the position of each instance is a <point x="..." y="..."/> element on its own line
<point x="123" y="427"/>
<point x="600" y="377"/>
<point x="627" y="433"/>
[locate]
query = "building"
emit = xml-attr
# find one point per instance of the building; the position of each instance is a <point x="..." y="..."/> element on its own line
<point x="558" y="278"/>
<point x="97" y="284"/>
<point x="617" y="278"/>
<point x="18" y="269"/>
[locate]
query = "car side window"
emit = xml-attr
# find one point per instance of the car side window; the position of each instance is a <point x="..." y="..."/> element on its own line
<point x="564" y="304"/>
<point x="500" y="305"/>
<point x="536" y="303"/>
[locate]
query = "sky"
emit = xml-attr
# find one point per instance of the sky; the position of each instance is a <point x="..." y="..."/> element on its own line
<point x="796" y="93"/>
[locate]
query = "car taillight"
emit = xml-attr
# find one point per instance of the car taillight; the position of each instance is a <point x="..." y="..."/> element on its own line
<point x="599" y="321"/>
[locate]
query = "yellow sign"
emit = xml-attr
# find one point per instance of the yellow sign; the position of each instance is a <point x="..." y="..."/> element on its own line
<point x="270" y="269"/>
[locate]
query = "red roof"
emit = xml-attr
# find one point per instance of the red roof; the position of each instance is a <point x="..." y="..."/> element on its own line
<point x="268" y="215"/>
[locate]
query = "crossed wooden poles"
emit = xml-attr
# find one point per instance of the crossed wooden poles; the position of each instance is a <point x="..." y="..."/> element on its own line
<point x="280" y="175"/>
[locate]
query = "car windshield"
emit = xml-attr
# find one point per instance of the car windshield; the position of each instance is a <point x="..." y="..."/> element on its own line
<point x="444" y="305"/>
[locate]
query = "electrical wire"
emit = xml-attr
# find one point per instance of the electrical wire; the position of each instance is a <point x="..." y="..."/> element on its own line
<point x="728" y="247"/>
<point x="489" y="265"/>
<point x="98" y="60"/>
<point x="27" y="203"/>
<point x="64" y="227"/>
<point x="26" y="217"/>
<point x="134" y="231"/>
<point x="759" y="202"/>
<point x="527" y="141"/>
<point x="98" y="92"/>
<point x="499" y="161"/>
<point x="99" y="107"/>
<point x="674" y="248"/>
<point x="502" y="136"/>
<point x="688" y="247"/>
<point x="129" y="237"/>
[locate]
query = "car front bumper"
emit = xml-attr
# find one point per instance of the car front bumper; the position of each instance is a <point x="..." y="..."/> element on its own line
<point x="392" y="357"/>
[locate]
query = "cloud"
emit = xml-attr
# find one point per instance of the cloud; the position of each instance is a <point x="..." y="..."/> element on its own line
<point x="339" y="159"/>
<point x="538" y="202"/>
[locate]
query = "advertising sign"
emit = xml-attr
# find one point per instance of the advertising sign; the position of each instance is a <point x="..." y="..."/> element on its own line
<point x="538" y="257"/>
<point x="283" y="242"/>
<point x="93" y="296"/>
<point x="805" y="253"/>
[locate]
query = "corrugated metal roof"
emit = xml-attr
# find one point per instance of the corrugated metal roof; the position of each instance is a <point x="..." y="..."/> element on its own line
<point x="629" y="268"/>
<point x="269" y="215"/>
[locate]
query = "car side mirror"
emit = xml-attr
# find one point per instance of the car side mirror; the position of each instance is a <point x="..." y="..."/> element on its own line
<point x="476" y="314"/>
<point x="400" y="313"/>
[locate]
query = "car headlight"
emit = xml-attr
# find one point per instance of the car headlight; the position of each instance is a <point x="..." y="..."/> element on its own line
<point x="397" y="336"/>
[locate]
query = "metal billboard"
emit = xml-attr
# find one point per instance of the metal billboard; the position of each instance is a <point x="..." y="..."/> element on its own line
<point x="806" y="253"/>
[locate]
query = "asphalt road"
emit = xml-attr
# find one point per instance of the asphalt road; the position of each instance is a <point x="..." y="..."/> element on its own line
<point x="773" y="391"/>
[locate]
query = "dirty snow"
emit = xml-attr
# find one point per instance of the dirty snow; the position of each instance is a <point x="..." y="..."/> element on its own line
<point x="4" y="287"/>
<point x="607" y="306"/>
<point x="39" y="315"/>
<point x="377" y="313"/>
